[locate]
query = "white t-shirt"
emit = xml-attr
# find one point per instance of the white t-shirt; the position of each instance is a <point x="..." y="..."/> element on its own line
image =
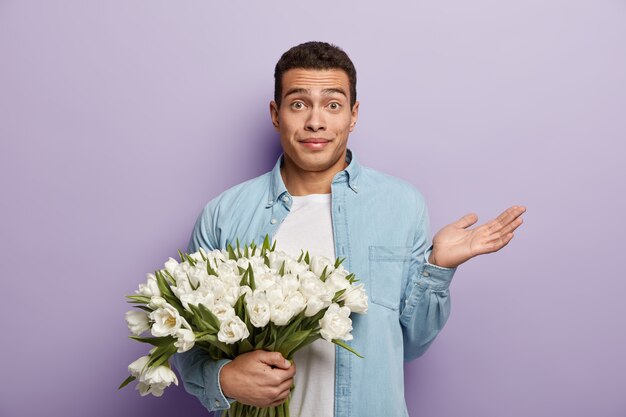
<point x="308" y="226"/>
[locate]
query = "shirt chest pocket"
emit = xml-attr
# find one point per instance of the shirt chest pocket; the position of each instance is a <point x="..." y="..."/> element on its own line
<point x="388" y="271"/>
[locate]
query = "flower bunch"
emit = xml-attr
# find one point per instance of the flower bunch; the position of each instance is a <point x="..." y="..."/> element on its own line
<point x="237" y="300"/>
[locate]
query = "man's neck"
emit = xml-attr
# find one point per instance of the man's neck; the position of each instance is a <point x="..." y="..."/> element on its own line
<point x="300" y="182"/>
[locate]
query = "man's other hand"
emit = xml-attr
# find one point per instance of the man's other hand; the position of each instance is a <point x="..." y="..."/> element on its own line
<point x="258" y="378"/>
<point x="456" y="243"/>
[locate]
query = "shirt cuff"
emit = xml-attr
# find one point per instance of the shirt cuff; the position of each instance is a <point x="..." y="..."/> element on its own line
<point x="214" y="397"/>
<point x="434" y="276"/>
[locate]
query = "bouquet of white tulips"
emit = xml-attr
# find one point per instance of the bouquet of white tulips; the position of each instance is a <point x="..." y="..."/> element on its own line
<point x="234" y="301"/>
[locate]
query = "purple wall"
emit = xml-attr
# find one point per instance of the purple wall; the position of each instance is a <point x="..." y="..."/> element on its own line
<point x="120" y="119"/>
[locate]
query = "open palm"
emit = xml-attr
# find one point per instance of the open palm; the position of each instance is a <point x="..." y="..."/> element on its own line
<point x="456" y="242"/>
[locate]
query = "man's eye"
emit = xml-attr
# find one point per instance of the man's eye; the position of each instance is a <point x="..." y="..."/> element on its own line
<point x="297" y="105"/>
<point x="334" y="106"/>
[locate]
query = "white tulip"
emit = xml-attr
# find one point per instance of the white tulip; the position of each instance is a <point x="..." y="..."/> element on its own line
<point x="196" y="298"/>
<point x="137" y="367"/>
<point x="296" y="302"/>
<point x="280" y="313"/>
<point x="232" y="330"/>
<point x="312" y="287"/>
<point x="294" y="267"/>
<point x="336" y="323"/>
<point x="337" y="282"/>
<point x="289" y="283"/>
<point x="223" y="311"/>
<point x="157" y="302"/>
<point x="258" y="309"/>
<point x="276" y="259"/>
<point x="155" y="380"/>
<point x="138" y="321"/>
<point x="313" y="306"/>
<point x="166" y="320"/>
<point x="171" y="266"/>
<point x="150" y="288"/>
<point x="355" y="299"/>
<point x="185" y="339"/>
<point x="264" y="281"/>
<point x="318" y="263"/>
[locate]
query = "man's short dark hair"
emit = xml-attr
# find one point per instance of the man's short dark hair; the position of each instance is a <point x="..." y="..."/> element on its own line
<point x="314" y="55"/>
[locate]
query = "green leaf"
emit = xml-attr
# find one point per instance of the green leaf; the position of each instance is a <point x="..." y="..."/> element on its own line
<point x="282" y="270"/>
<point x="307" y="258"/>
<point x="238" y="250"/>
<point x="273" y="247"/>
<point x="214" y="341"/>
<point x="266" y="245"/>
<point x="181" y="255"/>
<point x="293" y="340"/>
<point x="191" y="261"/>
<point x="338" y="295"/>
<point x="245" y="346"/>
<point x="209" y="317"/>
<point x="346" y="347"/>
<point x="231" y="252"/>
<point x="339" y="262"/>
<point x="168" y="277"/>
<point x="209" y="269"/>
<point x="323" y="276"/>
<point x="126" y="382"/>
<point x="143" y="299"/>
<point x="259" y="339"/>
<point x="167" y="294"/>
<point x="266" y="260"/>
<point x="244" y="277"/>
<point x="251" y="277"/>
<point x="161" y="355"/>
<point x="155" y="341"/>
<point x="246" y="253"/>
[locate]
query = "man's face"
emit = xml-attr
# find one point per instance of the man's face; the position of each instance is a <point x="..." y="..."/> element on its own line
<point x="315" y="118"/>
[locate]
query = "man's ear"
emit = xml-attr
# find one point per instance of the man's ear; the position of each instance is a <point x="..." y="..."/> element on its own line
<point x="354" y="116"/>
<point x="274" y="113"/>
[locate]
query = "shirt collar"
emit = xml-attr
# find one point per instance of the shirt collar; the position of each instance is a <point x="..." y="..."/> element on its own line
<point x="350" y="175"/>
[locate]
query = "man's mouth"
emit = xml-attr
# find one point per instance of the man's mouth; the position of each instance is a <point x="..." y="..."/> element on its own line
<point x="315" y="143"/>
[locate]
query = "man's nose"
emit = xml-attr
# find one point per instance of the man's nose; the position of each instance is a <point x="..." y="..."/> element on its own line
<point x="315" y="121"/>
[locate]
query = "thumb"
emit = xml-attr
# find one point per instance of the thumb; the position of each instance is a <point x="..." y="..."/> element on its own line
<point x="466" y="221"/>
<point x="275" y="359"/>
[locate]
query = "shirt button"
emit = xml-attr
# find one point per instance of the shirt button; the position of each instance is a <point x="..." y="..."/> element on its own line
<point x="425" y="273"/>
<point x="217" y="403"/>
<point x="270" y="202"/>
<point x="273" y="221"/>
<point x="285" y="199"/>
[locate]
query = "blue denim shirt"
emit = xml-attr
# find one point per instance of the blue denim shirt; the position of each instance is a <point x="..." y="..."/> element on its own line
<point x="380" y="225"/>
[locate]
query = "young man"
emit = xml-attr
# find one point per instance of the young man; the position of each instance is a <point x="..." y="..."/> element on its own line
<point x="318" y="197"/>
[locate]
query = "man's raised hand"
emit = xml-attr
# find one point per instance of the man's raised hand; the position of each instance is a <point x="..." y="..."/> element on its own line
<point x="456" y="242"/>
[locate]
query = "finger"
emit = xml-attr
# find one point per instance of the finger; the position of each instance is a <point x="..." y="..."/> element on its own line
<point x="505" y="218"/>
<point x="285" y="385"/>
<point x="275" y="359"/>
<point x="511" y="226"/>
<point x="498" y="244"/>
<point x="283" y="397"/>
<point x="466" y="221"/>
<point x="284" y="374"/>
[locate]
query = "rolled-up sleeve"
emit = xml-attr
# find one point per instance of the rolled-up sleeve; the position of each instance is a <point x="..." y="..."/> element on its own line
<point x="426" y="305"/>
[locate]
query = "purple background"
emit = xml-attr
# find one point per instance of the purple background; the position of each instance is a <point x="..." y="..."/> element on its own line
<point x="119" y="120"/>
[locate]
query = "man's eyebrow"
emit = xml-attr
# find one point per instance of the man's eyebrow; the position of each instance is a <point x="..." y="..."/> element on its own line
<point x="326" y="91"/>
